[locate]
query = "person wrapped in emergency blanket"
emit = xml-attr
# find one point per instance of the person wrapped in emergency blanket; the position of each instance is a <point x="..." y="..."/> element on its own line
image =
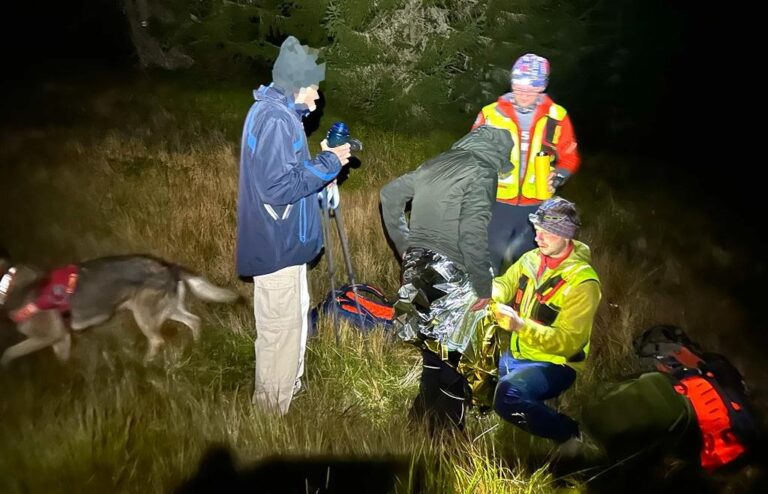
<point x="446" y="264"/>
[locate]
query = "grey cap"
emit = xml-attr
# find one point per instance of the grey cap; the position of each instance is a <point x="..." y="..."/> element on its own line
<point x="296" y="66"/>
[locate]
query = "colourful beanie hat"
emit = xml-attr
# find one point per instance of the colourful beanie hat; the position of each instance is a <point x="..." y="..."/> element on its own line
<point x="531" y="71"/>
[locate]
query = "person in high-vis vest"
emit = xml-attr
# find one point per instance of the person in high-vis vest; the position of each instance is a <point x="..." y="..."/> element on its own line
<point x="538" y="127"/>
<point x="547" y="302"/>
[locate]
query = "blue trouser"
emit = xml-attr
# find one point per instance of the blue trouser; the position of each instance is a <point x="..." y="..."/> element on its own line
<point x="510" y="235"/>
<point x="523" y="387"/>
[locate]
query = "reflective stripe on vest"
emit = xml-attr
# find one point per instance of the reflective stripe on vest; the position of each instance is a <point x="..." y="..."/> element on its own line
<point x="546" y="134"/>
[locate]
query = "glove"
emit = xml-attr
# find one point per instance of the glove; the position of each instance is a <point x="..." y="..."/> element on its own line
<point x="333" y="195"/>
<point x="331" y="192"/>
<point x="507" y="317"/>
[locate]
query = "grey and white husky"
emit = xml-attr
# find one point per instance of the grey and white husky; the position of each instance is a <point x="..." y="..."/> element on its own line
<point x="151" y="288"/>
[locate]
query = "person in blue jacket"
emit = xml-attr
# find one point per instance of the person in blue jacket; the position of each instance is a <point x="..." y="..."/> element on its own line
<point x="278" y="218"/>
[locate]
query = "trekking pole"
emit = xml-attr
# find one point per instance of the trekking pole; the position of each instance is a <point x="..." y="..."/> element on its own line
<point x="329" y="259"/>
<point x="348" y="260"/>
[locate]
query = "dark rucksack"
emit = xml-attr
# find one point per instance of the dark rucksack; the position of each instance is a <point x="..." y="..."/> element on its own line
<point x="375" y="310"/>
<point x="712" y="384"/>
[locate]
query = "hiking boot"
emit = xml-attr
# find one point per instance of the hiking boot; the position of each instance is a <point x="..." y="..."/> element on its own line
<point x="577" y="453"/>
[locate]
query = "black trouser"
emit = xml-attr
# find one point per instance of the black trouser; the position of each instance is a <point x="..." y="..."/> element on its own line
<point x="510" y="235"/>
<point x="443" y="393"/>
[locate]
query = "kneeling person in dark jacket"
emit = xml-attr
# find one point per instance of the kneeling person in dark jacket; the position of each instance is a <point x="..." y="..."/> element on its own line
<point x="446" y="264"/>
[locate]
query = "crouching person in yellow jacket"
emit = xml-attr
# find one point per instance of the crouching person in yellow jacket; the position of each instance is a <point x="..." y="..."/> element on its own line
<point x="547" y="301"/>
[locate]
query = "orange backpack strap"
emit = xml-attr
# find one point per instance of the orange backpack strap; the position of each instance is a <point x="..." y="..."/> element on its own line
<point x="720" y="445"/>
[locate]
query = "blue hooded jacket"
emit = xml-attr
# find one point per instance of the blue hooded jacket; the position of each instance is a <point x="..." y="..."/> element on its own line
<point x="278" y="215"/>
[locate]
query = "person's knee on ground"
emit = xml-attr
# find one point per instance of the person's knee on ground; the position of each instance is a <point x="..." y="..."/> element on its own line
<point x="514" y="402"/>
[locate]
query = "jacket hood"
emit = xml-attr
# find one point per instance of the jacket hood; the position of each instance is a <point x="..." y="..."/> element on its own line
<point x="580" y="258"/>
<point x="271" y="93"/>
<point x="581" y="252"/>
<point x="276" y="94"/>
<point x="490" y="144"/>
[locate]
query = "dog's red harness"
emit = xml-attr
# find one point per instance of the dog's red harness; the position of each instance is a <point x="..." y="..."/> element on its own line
<point x="55" y="293"/>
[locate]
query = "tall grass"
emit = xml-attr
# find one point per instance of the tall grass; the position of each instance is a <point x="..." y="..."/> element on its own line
<point x="106" y="422"/>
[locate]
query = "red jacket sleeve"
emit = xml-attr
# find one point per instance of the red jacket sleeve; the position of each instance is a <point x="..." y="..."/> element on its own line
<point x="480" y="120"/>
<point x="568" y="157"/>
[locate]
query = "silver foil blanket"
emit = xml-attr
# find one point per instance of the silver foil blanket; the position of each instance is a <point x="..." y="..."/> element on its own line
<point x="434" y="300"/>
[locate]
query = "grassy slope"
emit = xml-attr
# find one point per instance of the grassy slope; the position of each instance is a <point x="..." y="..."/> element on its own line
<point x="153" y="168"/>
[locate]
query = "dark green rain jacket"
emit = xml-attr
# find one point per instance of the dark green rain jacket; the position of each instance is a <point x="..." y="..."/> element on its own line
<point x="452" y="196"/>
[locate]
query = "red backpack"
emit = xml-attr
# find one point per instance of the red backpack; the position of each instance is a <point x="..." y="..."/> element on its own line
<point x="712" y="384"/>
<point x="376" y="311"/>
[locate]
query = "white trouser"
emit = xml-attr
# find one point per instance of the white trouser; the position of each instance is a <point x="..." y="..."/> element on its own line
<point x="281" y="306"/>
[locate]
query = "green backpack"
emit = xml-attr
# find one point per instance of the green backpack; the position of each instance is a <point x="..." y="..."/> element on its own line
<point x="632" y="415"/>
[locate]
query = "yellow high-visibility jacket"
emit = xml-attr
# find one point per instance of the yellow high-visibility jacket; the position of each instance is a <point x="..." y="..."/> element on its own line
<point x="558" y="308"/>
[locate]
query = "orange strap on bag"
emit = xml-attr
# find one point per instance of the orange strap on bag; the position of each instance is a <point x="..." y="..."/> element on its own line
<point x="720" y="445"/>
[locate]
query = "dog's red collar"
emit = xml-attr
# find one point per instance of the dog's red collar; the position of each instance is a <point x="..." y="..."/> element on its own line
<point x="5" y="284"/>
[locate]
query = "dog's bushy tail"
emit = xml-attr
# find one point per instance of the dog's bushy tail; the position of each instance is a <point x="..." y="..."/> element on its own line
<point x="205" y="290"/>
